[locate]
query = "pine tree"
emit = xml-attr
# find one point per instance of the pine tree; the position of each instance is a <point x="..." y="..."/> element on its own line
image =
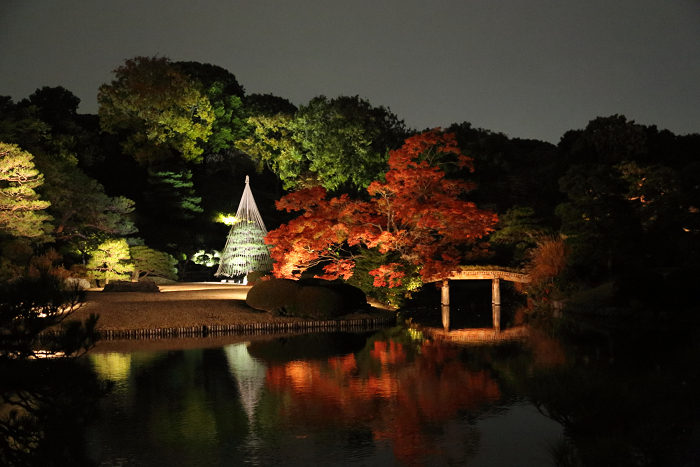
<point x="111" y="261"/>
<point x="21" y="210"/>
<point x="245" y="249"/>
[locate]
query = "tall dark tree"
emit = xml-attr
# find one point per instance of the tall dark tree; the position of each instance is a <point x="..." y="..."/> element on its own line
<point x="630" y="198"/>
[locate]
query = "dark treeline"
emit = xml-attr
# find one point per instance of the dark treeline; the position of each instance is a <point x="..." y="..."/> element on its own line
<point x="173" y="142"/>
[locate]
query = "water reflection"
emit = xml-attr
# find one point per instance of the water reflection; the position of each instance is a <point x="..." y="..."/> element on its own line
<point x="249" y="373"/>
<point x="624" y="398"/>
<point x="395" y="392"/>
<point x="588" y="398"/>
<point x="385" y="398"/>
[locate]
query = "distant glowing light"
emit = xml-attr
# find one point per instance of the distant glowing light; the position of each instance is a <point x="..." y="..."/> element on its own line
<point x="227" y="219"/>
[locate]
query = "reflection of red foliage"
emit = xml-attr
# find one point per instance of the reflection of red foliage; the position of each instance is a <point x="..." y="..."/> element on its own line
<point x="416" y="212"/>
<point x="548" y="352"/>
<point x="388" y="353"/>
<point x="399" y="403"/>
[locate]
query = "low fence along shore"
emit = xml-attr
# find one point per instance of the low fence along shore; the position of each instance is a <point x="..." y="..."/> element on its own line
<point x="249" y="328"/>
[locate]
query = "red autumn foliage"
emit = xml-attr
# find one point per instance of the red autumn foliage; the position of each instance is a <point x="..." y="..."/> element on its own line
<point x="416" y="212"/>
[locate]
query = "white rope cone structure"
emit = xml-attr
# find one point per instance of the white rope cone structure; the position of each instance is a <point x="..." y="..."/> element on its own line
<point x="245" y="249"/>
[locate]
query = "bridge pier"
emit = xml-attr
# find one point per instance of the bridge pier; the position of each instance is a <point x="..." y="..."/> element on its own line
<point x="445" y="300"/>
<point x="496" y="303"/>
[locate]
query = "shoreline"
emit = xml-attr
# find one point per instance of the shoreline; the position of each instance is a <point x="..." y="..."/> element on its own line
<point x="202" y="310"/>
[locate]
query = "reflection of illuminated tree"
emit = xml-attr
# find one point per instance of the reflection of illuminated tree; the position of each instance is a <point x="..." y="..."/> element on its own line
<point x="404" y="397"/>
<point x="112" y="366"/>
<point x="177" y="407"/>
<point x="249" y="374"/>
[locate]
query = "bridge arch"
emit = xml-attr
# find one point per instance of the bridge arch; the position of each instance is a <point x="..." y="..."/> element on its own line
<point x="495" y="275"/>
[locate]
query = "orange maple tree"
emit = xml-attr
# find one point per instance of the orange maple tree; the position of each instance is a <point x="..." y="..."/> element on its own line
<point x="416" y="212"/>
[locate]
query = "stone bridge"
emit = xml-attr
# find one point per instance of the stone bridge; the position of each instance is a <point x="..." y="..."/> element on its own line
<point x="494" y="275"/>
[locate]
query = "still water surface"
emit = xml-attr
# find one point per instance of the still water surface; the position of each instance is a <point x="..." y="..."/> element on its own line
<point x="348" y="399"/>
<point x="592" y="396"/>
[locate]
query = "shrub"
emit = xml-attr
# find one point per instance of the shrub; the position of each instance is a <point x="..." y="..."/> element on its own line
<point x="353" y="297"/>
<point x="318" y="302"/>
<point x="273" y="295"/>
<point x="255" y="276"/>
<point x="546" y="265"/>
<point x="306" y="298"/>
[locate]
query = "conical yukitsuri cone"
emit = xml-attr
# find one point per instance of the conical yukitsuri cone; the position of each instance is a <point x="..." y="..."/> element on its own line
<point x="245" y="249"/>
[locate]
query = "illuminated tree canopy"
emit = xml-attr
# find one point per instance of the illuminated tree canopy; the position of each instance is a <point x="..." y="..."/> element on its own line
<point x="21" y="210"/>
<point x="162" y="108"/>
<point x="111" y="261"/>
<point x="416" y="212"/>
<point x="331" y="143"/>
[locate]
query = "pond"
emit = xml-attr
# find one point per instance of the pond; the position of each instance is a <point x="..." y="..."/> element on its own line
<point x="393" y="397"/>
<point x="386" y="398"/>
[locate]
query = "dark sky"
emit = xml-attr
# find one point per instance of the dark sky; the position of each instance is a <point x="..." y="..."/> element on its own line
<point x="528" y="68"/>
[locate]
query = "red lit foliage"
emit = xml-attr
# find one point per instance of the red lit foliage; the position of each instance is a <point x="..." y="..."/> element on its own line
<point x="416" y="213"/>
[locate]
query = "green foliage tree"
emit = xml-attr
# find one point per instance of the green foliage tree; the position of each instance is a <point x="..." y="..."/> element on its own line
<point x="598" y="217"/>
<point x="519" y="229"/>
<point x="342" y="142"/>
<point x="21" y="210"/>
<point x="21" y="125"/>
<point x="511" y="171"/>
<point x="271" y="145"/>
<point x="171" y="191"/>
<point x="70" y="136"/>
<point x="224" y="94"/>
<point x="150" y="262"/>
<point x="346" y="140"/>
<point x="632" y="198"/>
<point x="161" y="109"/>
<point x="55" y="105"/>
<point x="84" y="215"/>
<point x="111" y="261"/>
<point x="267" y="105"/>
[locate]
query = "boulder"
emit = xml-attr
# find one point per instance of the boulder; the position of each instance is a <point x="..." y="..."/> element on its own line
<point x="77" y="283"/>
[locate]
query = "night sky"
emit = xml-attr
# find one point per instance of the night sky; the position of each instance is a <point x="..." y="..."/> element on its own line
<point x="530" y="69"/>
